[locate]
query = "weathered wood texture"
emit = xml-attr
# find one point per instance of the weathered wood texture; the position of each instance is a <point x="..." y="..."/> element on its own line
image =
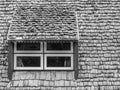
<point x="43" y="22"/>
<point x="99" y="49"/>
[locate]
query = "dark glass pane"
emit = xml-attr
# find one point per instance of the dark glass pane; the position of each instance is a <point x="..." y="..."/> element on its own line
<point x="59" y="61"/>
<point x="28" y="61"/>
<point x="28" y="46"/>
<point x="58" y="46"/>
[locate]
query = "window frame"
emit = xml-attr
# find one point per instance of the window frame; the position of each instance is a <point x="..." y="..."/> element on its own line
<point x="58" y="68"/>
<point x="43" y="53"/>
<point x="28" y="68"/>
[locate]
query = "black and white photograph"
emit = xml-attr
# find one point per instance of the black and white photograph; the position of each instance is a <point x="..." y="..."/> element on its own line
<point x="59" y="45"/>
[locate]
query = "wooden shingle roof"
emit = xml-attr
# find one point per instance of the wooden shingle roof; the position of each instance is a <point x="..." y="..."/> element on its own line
<point x="43" y="22"/>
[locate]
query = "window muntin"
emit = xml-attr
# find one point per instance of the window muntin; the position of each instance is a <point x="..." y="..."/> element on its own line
<point x="28" y="47"/>
<point x="28" y="61"/>
<point x="58" y="61"/>
<point x="58" y="47"/>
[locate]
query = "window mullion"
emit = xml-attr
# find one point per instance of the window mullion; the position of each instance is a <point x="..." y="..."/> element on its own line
<point x="43" y="55"/>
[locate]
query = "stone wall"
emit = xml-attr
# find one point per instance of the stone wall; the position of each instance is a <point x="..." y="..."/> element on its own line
<point x="99" y="48"/>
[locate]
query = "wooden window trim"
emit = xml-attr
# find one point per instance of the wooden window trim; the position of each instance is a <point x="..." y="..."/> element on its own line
<point x="10" y="59"/>
<point x="76" y="59"/>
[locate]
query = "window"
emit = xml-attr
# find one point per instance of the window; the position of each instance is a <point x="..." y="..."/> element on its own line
<point x="57" y="47"/>
<point x="28" y="47"/>
<point x="43" y="56"/>
<point x="59" y="61"/>
<point x="58" y="56"/>
<point x="28" y="61"/>
<point x="28" y="56"/>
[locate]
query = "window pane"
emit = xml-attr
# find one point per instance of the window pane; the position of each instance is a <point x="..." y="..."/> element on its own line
<point x="28" y="61"/>
<point x="28" y="46"/>
<point x="58" y="46"/>
<point x="58" y="61"/>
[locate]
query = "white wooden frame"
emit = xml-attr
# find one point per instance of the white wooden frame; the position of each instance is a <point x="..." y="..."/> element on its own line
<point x="58" y="51"/>
<point x="28" y="51"/>
<point x="28" y="68"/>
<point x="58" y="68"/>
